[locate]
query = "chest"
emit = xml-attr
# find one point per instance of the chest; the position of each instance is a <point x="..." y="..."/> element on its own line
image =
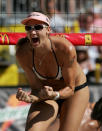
<point x="47" y="66"/>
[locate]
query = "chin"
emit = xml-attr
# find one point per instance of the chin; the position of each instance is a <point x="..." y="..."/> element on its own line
<point x="34" y="45"/>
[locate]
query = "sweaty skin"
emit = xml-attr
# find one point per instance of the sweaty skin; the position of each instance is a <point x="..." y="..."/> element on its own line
<point x="66" y="57"/>
<point x="44" y="108"/>
<point x="87" y="124"/>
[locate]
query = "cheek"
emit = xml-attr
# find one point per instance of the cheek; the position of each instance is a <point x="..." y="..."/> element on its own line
<point x="42" y="33"/>
<point x="46" y="31"/>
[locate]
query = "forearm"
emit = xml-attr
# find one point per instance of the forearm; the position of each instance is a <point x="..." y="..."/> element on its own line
<point x="66" y="92"/>
<point x="53" y="95"/>
<point x="34" y="98"/>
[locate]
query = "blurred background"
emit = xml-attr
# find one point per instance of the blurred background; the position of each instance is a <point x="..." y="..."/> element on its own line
<point x="67" y="16"/>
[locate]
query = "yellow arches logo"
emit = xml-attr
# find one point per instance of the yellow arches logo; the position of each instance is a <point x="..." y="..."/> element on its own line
<point x="4" y="37"/>
<point x="88" y="39"/>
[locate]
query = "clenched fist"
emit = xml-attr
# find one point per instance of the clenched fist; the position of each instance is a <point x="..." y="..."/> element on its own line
<point x="24" y="96"/>
<point x="47" y="93"/>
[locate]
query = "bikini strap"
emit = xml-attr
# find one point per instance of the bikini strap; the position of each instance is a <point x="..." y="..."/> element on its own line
<point x="33" y="57"/>
<point x="54" y="54"/>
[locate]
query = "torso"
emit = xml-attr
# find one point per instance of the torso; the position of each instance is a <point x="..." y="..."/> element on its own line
<point x="49" y="66"/>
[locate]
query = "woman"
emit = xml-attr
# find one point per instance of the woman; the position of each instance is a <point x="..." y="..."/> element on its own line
<point x="55" y="77"/>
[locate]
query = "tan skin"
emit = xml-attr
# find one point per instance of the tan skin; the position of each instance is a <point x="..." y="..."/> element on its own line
<point x="87" y="124"/>
<point x="44" y="109"/>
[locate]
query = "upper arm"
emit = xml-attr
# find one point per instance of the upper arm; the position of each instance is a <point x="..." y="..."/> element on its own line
<point x="69" y="66"/>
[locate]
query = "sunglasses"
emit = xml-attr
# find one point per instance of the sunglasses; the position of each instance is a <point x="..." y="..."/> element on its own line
<point x="35" y="27"/>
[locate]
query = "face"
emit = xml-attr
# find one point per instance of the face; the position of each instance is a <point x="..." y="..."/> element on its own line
<point x="37" y="33"/>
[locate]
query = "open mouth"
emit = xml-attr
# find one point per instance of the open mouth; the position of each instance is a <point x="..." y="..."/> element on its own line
<point x="35" y="40"/>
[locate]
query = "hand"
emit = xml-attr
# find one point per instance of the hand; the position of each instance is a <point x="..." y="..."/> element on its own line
<point x="47" y="93"/>
<point x="23" y="96"/>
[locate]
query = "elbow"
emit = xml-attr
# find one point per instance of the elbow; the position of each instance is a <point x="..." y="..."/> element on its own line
<point x="72" y="92"/>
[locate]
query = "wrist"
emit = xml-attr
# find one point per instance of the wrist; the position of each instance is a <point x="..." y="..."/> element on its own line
<point x="57" y="95"/>
<point x="34" y="99"/>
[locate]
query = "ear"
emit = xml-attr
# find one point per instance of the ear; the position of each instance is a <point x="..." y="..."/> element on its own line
<point x="48" y="31"/>
<point x="49" y="28"/>
<point x="93" y="124"/>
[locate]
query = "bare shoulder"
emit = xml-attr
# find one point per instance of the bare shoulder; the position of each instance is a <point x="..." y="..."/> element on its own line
<point x="66" y="50"/>
<point x="61" y="43"/>
<point x="23" y="53"/>
<point x="21" y="47"/>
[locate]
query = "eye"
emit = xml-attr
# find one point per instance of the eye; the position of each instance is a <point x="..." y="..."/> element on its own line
<point x="38" y="27"/>
<point x="28" y="28"/>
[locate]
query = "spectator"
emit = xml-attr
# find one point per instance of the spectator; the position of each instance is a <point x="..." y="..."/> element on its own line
<point x="56" y="20"/>
<point x="89" y="22"/>
<point x="85" y="62"/>
<point x="97" y="20"/>
<point x="92" y="119"/>
<point x="83" y="59"/>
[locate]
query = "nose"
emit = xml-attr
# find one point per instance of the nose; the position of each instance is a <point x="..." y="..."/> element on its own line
<point x="33" y="31"/>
